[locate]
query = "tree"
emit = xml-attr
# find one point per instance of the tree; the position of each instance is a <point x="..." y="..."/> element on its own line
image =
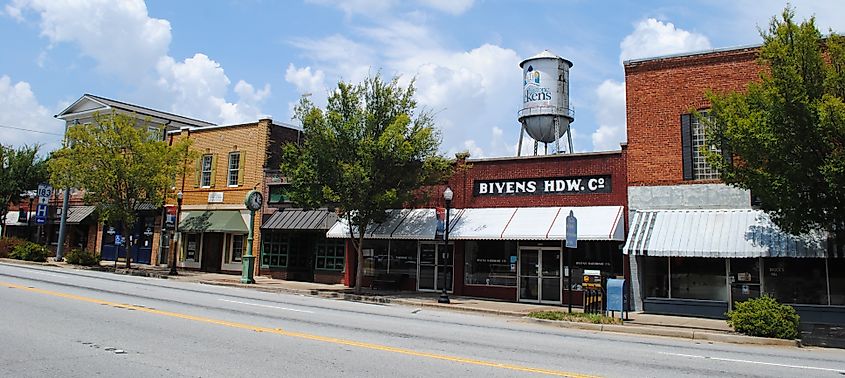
<point x="21" y="169"/>
<point x="369" y="151"/>
<point x="787" y="130"/>
<point x="119" y="165"/>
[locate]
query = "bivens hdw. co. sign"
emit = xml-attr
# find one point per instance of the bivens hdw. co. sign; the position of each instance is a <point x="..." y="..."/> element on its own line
<point x="540" y="186"/>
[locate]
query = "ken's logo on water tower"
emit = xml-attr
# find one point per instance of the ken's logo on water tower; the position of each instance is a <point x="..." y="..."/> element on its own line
<point x="531" y="77"/>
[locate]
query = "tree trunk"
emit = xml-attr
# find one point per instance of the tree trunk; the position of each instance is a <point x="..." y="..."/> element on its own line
<point x="359" y="269"/>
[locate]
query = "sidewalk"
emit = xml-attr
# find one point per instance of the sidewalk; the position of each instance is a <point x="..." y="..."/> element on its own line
<point x="637" y="323"/>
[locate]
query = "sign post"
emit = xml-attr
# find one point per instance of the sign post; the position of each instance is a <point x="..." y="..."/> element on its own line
<point x="571" y="243"/>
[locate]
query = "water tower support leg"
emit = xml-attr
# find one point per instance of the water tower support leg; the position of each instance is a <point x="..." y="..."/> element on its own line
<point x="569" y="136"/>
<point x="521" y="134"/>
<point x="535" y="147"/>
<point x="557" y="135"/>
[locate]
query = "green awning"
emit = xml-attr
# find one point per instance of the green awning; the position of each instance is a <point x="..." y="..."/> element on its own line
<point x="213" y="221"/>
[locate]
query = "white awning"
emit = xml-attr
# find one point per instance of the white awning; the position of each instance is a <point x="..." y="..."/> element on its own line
<point x="716" y="233"/>
<point x="13" y="218"/>
<point x="506" y="223"/>
<point x="416" y="224"/>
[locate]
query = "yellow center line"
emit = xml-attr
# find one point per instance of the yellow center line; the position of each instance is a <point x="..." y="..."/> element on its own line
<point x="300" y="335"/>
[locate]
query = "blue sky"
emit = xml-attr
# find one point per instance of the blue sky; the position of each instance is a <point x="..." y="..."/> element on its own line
<point x="238" y="60"/>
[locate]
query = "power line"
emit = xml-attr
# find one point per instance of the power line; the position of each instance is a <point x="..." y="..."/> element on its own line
<point x="30" y="130"/>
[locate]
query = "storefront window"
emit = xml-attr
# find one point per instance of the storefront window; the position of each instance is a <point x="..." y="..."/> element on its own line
<point x="192" y="247"/>
<point x="836" y="268"/>
<point x="656" y="277"/>
<point x="403" y="257"/>
<point x="275" y="250"/>
<point x="490" y="263"/>
<point x="796" y="280"/>
<point x="330" y="254"/>
<point x="375" y="257"/>
<point x="698" y="278"/>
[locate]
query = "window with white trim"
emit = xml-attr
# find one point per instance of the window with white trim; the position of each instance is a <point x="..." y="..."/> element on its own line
<point x="205" y="176"/>
<point x="237" y="247"/>
<point x="234" y="168"/>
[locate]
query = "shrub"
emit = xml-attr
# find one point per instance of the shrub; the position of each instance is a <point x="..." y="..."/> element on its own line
<point x="764" y="317"/>
<point x="30" y="252"/>
<point x="77" y="256"/>
<point x="8" y="244"/>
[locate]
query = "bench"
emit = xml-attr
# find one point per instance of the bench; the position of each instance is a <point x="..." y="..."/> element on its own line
<point x="386" y="281"/>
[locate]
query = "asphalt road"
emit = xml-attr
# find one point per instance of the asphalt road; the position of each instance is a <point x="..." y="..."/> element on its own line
<point x="61" y="322"/>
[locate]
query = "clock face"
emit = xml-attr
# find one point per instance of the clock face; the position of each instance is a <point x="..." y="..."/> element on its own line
<point x="254" y="200"/>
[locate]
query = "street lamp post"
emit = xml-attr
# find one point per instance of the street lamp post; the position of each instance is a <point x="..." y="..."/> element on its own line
<point x="173" y="271"/>
<point x="447" y="195"/>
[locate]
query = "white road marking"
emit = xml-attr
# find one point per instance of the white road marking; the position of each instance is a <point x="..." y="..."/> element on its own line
<point x="266" y="306"/>
<point x="755" y="362"/>
<point x="45" y="274"/>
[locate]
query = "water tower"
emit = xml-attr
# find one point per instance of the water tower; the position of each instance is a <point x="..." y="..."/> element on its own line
<point x="545" y="113"/>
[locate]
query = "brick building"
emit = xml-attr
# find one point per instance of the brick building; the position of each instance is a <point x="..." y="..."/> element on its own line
<point x="696" y="245"/>
<point x="231" y="161"/>
<point x="507" y="223"/>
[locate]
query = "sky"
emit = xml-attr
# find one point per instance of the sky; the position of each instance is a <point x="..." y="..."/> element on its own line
<point x="235" y="61"/>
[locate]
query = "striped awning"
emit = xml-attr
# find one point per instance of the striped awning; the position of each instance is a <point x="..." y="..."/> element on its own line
<point x="505" y="223"/>
<point x="722" y="233"/>
<point x="300" y="219"/>
<point x="76" y="214"/>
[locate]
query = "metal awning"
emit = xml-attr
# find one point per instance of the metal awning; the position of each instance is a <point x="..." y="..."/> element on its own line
<point x="213" y="221"/>
<point x="507" y="223"/>
<point x="716" y="233"/>
<point x="13" y="218"/>
<point x="300" y="219"/>
<point x="415" y="224"/>
<point x="76" y="214"/>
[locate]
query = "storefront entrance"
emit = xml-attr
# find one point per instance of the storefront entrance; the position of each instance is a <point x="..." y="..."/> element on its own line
<point x="433" y="263"/>
<point x="539" y="275"/>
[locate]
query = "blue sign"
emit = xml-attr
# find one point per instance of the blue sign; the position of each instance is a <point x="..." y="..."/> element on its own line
<point x="41" y="214"/>
<point x="615" y="294"/>
<point x="571" y="231"/>
<point x="118" y="240"/>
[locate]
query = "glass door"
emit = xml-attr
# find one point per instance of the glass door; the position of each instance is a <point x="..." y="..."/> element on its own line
<point x="539" y="275"/>
<point x="529" y="274"/>
<point x="744" y="279"/>
<point x="433" y="263"/>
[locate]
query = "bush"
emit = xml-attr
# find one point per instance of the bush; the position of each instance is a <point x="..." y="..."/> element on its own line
<point x="30" y="252"/>
<point x="764" y="317"/>
<point x="8" y="244"/>
<point x="77" y="256"/>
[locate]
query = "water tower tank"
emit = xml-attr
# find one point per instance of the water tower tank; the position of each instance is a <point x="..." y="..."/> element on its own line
<point x="545" y="97"/>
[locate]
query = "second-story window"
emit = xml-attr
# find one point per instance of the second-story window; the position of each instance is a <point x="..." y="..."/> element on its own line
<point x="234" y="168"/>
<point x="693" y="142"/>
<point x="205" y="175"/>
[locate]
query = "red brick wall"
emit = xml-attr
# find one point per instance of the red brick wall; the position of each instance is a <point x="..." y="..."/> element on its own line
<point x="658" y="91"/>
<point x="585" y="164"/>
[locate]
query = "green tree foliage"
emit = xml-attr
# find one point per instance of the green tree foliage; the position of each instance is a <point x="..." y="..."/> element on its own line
<point x="787" y="130"/>
<point x="119" y="165"/>
<point x="367" y="152"/>
<point x="21" y="169"/>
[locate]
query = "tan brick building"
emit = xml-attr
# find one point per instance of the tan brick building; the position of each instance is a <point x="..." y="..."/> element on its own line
<point x="230" y="161"/>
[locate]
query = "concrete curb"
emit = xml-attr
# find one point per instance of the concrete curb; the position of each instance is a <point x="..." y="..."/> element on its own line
<point x="670" y="332"/>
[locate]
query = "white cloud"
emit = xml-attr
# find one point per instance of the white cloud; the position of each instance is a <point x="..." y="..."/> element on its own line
<point x="455" y="7"/>
<point x="610" y="115"/>
<point x="474" y="150"/>
<point x="652" y="37"/>
<point x="119" y="35"/>
<point x="20" y="109"/>
<point x="350" y="7"/>
<point x="125" y="41"/>
<point x="305" y="80"/>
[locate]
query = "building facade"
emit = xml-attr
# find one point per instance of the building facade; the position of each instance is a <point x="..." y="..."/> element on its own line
<point x="506" y="230"/>
<point x="696" y="245"/>
<point x="230" y="162"/>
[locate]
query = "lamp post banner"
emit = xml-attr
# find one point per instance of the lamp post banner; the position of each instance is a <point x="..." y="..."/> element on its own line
<point x="441" y="223"/>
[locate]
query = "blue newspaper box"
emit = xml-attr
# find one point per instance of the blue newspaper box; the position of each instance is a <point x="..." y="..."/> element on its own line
<point x="616" y="295"/>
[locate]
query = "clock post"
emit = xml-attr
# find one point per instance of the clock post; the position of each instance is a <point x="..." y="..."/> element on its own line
<point x="253" y="201"/>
